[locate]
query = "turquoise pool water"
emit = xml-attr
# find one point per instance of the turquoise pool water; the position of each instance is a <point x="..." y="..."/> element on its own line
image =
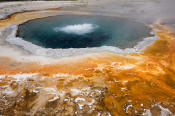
<point x="74" y="31"/>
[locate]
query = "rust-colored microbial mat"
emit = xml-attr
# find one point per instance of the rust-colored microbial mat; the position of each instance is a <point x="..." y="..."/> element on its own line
<point x="97" y="84"/>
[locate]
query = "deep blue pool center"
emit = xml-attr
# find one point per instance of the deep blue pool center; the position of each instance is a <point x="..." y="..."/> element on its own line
<point x="77" y="31"/>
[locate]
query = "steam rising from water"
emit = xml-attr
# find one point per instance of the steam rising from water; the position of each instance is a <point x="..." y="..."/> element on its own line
<point x="79" y="29"/>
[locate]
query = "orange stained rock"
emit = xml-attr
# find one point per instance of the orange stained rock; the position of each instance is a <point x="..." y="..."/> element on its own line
<point x="25" y="16"/>
<point x="18" y="18"/>
<point x="146" y="77"/>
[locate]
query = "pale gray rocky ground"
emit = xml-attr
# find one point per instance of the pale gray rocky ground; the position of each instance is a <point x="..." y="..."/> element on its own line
<point x="144" y="10"/>
<point x="148" y="11"/>
<point x="7" y="8"/>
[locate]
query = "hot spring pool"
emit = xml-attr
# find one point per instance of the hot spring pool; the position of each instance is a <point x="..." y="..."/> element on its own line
<point x="70" y="31"/>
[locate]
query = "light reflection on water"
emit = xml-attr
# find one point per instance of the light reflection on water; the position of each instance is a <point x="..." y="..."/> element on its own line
<point x="71" y="31"/>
